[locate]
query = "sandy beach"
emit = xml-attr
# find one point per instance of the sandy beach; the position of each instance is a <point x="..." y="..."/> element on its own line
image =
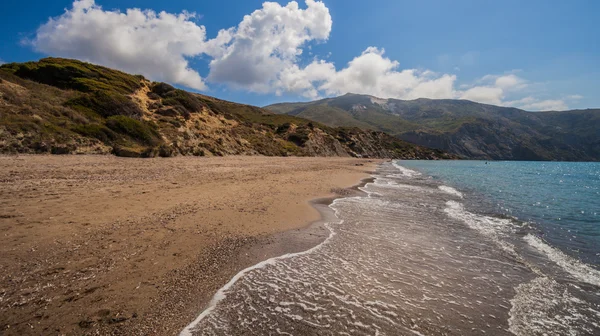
<point x="107" y="245"/>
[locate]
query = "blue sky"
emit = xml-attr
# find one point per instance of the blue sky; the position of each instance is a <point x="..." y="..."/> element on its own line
<point x="537" y="55"/>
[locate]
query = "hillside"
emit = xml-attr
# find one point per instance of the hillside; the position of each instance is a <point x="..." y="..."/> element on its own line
<point x="64" y="106"/>
<point x="469" y="129"/>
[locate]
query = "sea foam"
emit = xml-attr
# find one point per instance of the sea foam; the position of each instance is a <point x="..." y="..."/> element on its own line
<point x="405" y="171"/>
<point x="545" y="307"/>
<point x="450" y="190"/>
<point x="222" y="292"/>
<point x="489" y="226"/>
<point x="577" y="269"/>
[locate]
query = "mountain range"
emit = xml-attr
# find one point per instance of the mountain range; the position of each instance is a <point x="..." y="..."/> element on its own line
<point x="465" y="128"/>
<point x="65" y="106"/>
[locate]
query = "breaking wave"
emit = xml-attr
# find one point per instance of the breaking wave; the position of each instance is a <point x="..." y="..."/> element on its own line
<point x="577" y="269"/>
<point x="451" y="191"/>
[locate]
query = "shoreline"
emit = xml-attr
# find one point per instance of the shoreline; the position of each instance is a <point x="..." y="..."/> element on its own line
<point x="287" y="244"/>
<point x="177" y="256"/>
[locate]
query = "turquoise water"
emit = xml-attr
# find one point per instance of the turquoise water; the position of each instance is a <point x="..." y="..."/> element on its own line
<point x="559" y="200"/>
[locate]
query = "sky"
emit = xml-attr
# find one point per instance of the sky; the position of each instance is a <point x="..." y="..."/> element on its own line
<point x="537" y="54"/>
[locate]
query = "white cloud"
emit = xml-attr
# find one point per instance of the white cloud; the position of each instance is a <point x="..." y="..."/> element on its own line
<point x="266" y="45"/>
<point x="492" y="89"/>
<point x="1" y="61"/>
<point x="373" y="73"/>
<point x="484" y="94"/>
<point x="263" y="53"/>
<point x="156" y="45"/>
<point x="533" y="104"/>
<point x="575" y="97"/>
<point x="509" y="82"/>
<point x="546" y="105"/>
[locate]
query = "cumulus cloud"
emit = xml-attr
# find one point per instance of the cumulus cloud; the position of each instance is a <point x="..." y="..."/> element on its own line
<point x="484" y="94"/>
<point x="530" y="103"/>
<point x="492" y="89"/>
<point x="545" y="105"/>
<point x="264" y="53"/>
<point x="266" y="45"/>
<point x="373" y="73"/>
<point x="156" y="45"/>
<point x="509" y="82"/>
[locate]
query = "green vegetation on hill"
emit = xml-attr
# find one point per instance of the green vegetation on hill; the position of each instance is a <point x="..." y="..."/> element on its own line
<point x="66" y="106"/>
<point x="465" y="128"/>
<point x="76" y="75"/>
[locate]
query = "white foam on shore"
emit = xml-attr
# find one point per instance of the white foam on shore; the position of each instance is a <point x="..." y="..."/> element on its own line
<point x="489" y="226"/>
<point x="221" y="293"/>
<point x="545" y="307"/>
<point x="494" y="228"/>
<point x="405" y="171"/>
<point x="577" y="269"/>
<point x="451" y="191"/>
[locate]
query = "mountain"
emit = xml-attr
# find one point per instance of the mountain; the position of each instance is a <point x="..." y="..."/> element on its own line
<point x="65" y="106"/>
<point x="471" y="130"/>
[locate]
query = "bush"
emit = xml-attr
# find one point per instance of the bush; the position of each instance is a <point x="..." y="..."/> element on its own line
<point x="134" y="129"/>
<point x="283" y="128"/>
<point x="153" y="96"/>
<point x="299" y="137"/>
<point x="97" y="131"/>
<point x="172" y="111"/>
<point x="62" y="149"/>
<point x="165" y="151"/>
<point x="106" y="104"/>
<point x="161" y="89"/>
<point x="76" y="75"/>
<point x="185" y="99"/>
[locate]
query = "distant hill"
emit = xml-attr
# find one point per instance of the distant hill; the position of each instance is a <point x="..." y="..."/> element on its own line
<point x="64" y="106"/>
<point x="471" y="130"/>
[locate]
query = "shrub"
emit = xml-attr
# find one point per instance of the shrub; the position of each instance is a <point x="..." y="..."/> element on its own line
<point x="76" y="75"/>
<point x="172" y="111"/>
<point x="97" y="131"/>
<point x="161" y="89"/>
<point x="299" y="137"/>
<point x="283" y="128"/>
<point x="182" y="98"/>
<point x="214" y="107"/>
<point x="153" y="96"/>
<point x="135" y="129"/>
<point x="62" y="149"/>
<point x="165" y="151"/>
<point x="123" y="151"/>
<point x="106" y="104"/>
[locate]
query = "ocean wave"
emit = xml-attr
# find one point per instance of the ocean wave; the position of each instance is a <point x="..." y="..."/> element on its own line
<point x="451" y="191"/>
<point x="491" y="227"/>
<point x="222" y="292"/>
<point x="405" y="171"/>
<point x="545" y="307"/>
<point x="577" y="269"/>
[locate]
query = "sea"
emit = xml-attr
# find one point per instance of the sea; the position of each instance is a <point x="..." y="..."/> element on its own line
<point x="435" y="248"/>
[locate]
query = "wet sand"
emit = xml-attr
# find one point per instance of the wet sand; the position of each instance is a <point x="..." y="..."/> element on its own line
<point x="107" y="245"/>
